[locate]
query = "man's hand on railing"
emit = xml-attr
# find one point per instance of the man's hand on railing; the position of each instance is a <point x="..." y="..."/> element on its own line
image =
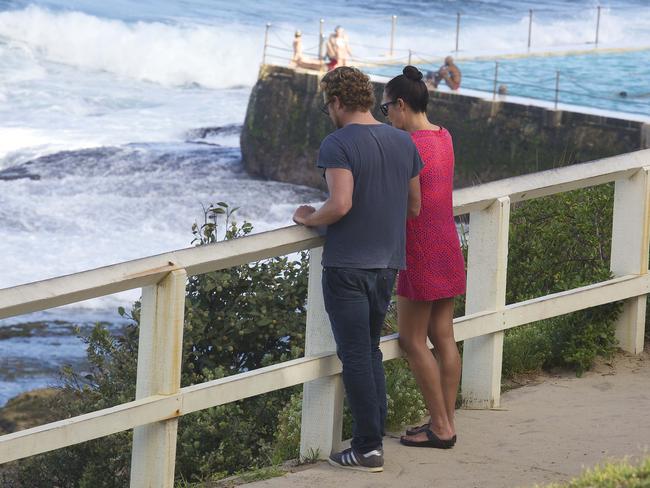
<point x="302" y="213"/>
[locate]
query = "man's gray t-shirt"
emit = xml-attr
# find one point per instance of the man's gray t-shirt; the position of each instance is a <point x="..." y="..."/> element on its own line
<point x="382" y="160"/>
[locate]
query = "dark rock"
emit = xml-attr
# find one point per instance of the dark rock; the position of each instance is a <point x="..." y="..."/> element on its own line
<point x="18" y="173"/>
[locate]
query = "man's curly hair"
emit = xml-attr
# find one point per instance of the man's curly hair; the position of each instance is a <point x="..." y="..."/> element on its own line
<point x="351" y="86"/>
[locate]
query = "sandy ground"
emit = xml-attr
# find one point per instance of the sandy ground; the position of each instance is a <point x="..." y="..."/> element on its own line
<point x="546" y="431"/>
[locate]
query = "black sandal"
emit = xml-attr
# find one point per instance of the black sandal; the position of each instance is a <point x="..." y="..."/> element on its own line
<point x="417" y="430"/>
<point x="422" y="428"/>
<point x="432" y="441"/>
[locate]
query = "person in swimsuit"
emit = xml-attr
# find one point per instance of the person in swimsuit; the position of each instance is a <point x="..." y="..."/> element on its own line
<point x="338" y="48"/>
<point x="448" y="72"/>
<point x="435" y="267"/>
<point x="299" y="60"/>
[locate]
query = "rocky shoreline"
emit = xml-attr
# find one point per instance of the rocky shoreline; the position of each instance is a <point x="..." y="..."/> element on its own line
<point x="32" y="354"/>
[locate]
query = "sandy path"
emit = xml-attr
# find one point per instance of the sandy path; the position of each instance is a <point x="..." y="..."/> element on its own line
<point x="546" y="431"/>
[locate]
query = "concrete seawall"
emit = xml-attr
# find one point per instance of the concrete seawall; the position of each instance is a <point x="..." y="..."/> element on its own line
<point x="492" y="139"/>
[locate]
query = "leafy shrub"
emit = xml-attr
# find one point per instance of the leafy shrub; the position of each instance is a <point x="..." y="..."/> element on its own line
<point x="405" y="402"/>
<point x="558" y="243"/>
<point x="525" y="349"/>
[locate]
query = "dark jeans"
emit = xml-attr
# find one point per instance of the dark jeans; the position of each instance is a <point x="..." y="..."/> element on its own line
<point x="356" y="301"/>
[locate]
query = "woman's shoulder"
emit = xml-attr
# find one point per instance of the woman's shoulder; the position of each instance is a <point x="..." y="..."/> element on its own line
<point x="433" y="144"/>
<point x="431" y="137"/>
<point x="434" y="131"/>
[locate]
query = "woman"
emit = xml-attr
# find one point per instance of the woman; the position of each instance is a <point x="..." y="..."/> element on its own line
<point x="300" y="61"/>
<point x="435" y="271"/>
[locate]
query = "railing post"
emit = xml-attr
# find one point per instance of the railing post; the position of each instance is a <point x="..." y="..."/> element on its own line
<point x="392" y="34"/>
<point x="557" y="89"/>
<point x="322" y="401"/>
<point x="159" y="373"/>
<point x="530" y="26"/>
<point x="486" y="290"/>
<point x="320" y="39"/>
<point x="496" y="78"/>
<point x="457" y="30"/>
<point x="630" y="252"/>
<point x="597" y="25"/>
<point x="266" y="42"/>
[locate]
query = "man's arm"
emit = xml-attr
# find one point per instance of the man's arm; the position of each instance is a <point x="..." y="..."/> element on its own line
<point x="453" y="78"/>
<point x="340" y="183"/>
<point x="415" y="197"/>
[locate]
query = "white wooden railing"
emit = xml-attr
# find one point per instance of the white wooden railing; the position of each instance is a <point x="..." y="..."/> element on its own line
<point x="160" y="401"/>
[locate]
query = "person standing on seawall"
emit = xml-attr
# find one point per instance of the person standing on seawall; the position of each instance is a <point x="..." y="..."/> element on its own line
<point x="435" y="268"/>
<point x="371" y="171"/>
<point x="338" y="48"/>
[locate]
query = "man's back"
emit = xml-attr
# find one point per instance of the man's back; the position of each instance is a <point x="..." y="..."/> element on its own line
<point x="382" y="160"/>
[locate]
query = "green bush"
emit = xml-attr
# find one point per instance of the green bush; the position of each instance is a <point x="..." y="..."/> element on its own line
<point x="405" y="403"/>
<point x="558" y="243"/>
<point x="525" y="349"/>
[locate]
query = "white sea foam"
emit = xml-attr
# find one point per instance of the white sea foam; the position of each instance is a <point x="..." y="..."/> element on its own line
<point x="211" y="56"/>
<point x="618" y="28"/>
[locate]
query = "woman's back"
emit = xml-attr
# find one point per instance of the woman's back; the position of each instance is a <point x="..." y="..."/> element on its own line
<point x="437" y="177"/>
<point x="435" y="265"/>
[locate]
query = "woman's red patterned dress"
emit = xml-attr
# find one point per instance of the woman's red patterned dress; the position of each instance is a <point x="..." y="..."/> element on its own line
<point x="434" y="261"/>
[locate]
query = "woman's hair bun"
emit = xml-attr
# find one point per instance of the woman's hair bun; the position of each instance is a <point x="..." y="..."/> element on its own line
<point x="412" y="73"/>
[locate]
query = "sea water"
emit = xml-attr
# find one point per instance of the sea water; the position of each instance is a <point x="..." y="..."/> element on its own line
<point x="120" y="119"/>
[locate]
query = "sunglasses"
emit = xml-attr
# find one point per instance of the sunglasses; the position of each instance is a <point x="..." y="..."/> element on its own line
<point x="384" y="107"/>
<point x="324" y="108"/>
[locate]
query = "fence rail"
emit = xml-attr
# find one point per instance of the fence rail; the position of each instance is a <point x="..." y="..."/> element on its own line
<point x="160" y="400"/>
<point x="389" y="24"/>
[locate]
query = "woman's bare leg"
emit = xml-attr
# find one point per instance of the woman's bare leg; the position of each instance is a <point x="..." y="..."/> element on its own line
<point x="413" y="318"/>
<point x="441" y="335"/>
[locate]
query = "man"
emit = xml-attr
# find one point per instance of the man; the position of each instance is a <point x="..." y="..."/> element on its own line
<point x="338" y="48"/>
<point x="448" y="72"/>
<point x="371" y="170"/>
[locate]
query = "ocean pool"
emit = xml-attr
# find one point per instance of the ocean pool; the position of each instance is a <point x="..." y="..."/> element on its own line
<point x="612" y="81"/>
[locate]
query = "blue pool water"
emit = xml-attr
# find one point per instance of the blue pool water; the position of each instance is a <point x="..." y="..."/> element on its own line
<point x="608" y="81"/>
<point x="611" y="81"/>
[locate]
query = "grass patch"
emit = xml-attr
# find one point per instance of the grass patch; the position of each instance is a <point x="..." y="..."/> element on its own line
<point x="262" y="474"/>
<point x="26" y="410"/>
<point x="242" y="478"/>
<point x="619" y="474"/>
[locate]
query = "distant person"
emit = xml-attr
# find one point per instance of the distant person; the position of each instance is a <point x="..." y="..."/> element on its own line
<point x="448" y="72"/>
<point x="371" y="170"/>
<point x="298" y="60"/>
<point x="503" y="90"/>
<point x="435" y="268"/>
<point x="338" y="48"/>
<point x="297" y="48"/>
<point x="428" y="79"/>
